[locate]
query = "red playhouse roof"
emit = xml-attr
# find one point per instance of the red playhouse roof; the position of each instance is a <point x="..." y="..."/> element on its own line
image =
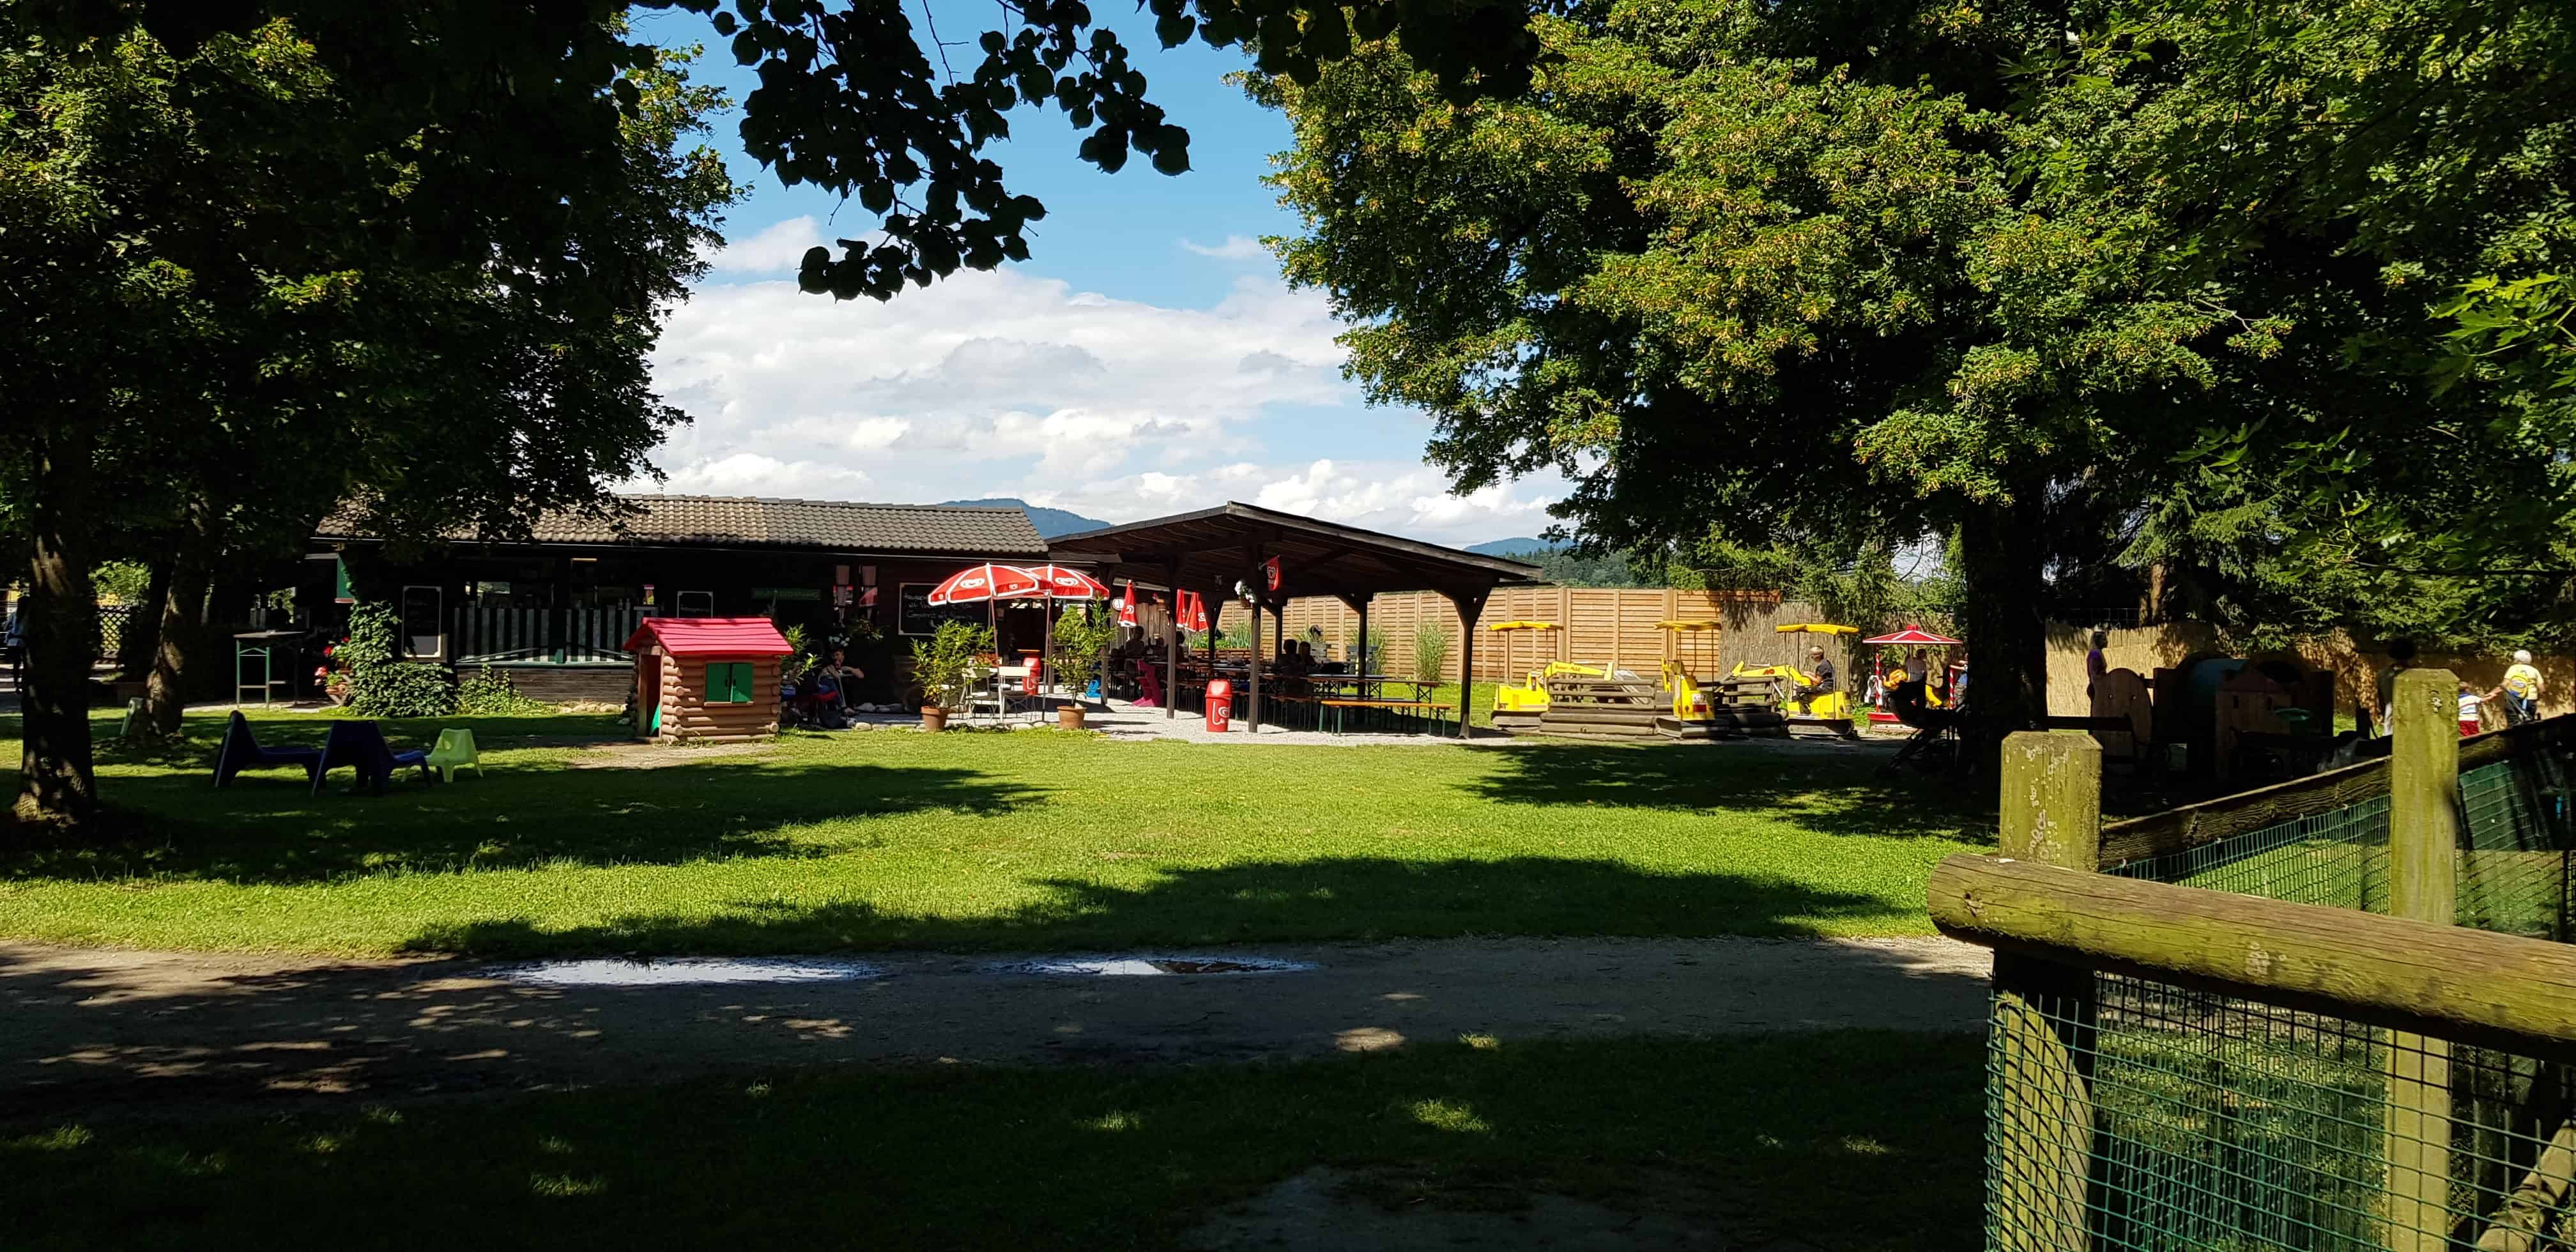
<point x="711" y="636"/>
<point x="1914" y="634"/>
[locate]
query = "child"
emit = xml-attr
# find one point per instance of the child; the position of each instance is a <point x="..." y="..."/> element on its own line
<point x="2469" y="723"/>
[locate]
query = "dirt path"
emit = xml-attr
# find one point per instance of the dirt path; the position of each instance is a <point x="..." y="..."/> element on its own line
<point x="81" y="1028"/>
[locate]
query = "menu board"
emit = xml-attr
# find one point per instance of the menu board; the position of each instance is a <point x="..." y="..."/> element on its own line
<point x="915" y="615"/>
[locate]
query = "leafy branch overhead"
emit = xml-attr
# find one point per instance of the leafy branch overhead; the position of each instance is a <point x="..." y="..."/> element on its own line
<point x="849" y="102"/>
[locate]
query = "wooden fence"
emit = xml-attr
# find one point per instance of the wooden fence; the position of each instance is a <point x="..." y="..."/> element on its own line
<point x="1612" y="624"/>
<point x="492" y="635"/>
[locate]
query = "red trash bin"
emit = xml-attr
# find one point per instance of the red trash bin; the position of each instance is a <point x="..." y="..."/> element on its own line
<point x="1220" y="705"/>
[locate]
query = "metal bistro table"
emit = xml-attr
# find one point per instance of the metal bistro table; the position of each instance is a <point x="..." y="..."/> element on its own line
<point x="276" y="652"/>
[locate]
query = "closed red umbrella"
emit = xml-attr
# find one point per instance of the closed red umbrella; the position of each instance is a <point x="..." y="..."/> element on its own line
<point x="1127" y="606"/>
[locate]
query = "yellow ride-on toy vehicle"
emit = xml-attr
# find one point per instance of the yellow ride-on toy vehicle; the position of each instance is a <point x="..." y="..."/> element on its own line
<point x="1803" y="698"/>
<point x="1520" y="705"/>
<point x="1693" y="652"/>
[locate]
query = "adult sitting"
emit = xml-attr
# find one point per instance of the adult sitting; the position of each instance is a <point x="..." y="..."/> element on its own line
<point x="1820" y="677"/>
<point x="833" y="678"/>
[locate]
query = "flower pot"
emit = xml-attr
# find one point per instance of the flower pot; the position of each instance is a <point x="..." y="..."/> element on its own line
<point x="1068" y="717"/>
<point x="933" y="717"/>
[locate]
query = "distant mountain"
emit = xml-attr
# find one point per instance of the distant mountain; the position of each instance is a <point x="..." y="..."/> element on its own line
<point x="1510" y="547"/>
<point x="1050" y="522"/>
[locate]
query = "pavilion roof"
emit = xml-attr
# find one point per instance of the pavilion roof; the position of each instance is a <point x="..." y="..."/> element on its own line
<point x="1212" y="549"/>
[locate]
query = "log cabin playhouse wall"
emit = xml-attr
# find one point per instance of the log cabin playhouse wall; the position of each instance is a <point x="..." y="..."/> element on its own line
<point x="673" y="659"/>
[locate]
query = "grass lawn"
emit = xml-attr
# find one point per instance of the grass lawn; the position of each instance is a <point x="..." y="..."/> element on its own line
<point x="1032" y="839"/>
<point x="1857" y="1140"/>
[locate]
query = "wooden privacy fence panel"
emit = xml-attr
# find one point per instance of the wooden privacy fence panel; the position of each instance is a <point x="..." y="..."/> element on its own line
<point x="1615" y="625"/>
<point x="485" y="634"/>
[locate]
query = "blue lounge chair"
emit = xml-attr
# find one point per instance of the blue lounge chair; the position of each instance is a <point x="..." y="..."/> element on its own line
<point x="361" y="746"/>
<point x="241" y="751"/>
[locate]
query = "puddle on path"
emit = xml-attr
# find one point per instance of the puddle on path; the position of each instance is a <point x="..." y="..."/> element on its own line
<point x="685" y="971"/>
<point x="1152" y="966"/>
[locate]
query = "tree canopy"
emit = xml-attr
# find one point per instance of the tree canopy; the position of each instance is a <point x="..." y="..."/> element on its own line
<point x="248" y="294"/>
<point x="1828" y="276"/>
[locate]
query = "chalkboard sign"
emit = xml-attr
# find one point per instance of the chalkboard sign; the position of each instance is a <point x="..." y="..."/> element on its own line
<point x="915" y="615"/>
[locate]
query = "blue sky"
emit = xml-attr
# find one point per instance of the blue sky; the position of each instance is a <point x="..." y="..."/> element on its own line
<point x="1146" y="360"/>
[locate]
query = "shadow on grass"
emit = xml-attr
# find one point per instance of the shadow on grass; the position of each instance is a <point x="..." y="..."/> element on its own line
<point x="1851" y="1140"/>
<point x="1362" y="898"/>
<point x="268" y="828"/>
<point x="1827" y="790"/>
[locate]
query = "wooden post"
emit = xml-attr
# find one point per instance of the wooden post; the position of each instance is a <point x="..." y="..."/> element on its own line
<point x="1172" y="642"/>
<point x="2423" y="886"/>
<point x="1252" y="706"/>
<point x="1362" y="668"/>
<point x="2044" y="1011"/>
<point x="1470" y="606"/>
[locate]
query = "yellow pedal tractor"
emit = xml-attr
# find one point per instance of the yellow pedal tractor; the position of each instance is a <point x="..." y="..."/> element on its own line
<point x="1805" y="699"/>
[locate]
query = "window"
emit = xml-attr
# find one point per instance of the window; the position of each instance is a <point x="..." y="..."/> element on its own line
<point x="728" y="682"/>
<point x="420" y="625"/>
<point x="695" y="603"/>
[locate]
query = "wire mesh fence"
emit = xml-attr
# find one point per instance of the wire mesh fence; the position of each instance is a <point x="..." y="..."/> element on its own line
<point x="2194" y="1120"/>
<point x="2154" y="1116"/>
<point x="2517" y="854"/>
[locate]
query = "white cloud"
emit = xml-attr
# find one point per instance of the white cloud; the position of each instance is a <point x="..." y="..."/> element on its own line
<point x="1003" y="383"/>
<point x="1235" y="248"/>
<point x="777" y="249"/>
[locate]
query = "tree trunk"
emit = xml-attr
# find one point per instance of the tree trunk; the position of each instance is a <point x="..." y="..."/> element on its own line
<point x="140" y="636"/>
<point x="2004" y="554"/>
<point x="60" y="616"/>
<point x="183" y="610"/>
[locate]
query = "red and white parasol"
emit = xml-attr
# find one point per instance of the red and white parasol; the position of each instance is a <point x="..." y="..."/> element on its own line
<point x="1058" y="583"/>
<point x="1915" y="636"/>
<point x="1191" y="613"/>
<point x="985" y="582"/>
<point x="1127" y="605"/>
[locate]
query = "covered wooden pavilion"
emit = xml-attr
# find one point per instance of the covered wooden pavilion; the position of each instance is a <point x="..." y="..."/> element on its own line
<point x="1216" y="551"/>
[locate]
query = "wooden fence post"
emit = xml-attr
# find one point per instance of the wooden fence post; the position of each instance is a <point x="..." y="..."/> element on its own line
<point x="2423" y="885"/>
<point x="2044" y="1011"/>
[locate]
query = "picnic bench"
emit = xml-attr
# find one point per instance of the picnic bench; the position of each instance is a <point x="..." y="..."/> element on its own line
<point x="1341" y="707"/>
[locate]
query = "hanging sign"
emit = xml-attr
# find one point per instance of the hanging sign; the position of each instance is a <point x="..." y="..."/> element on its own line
<point x="1270" y="573"/>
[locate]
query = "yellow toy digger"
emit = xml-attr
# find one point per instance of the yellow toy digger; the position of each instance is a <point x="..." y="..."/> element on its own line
<point x="1804" y="700"/>
<point x="1520" y="706"/>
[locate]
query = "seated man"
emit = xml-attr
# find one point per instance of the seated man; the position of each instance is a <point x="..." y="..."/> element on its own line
<point x="832" y="680"/>
<point x="1818" y="681"/>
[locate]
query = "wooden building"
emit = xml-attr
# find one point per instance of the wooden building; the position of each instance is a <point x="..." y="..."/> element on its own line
<point x="706" y="679"/>
<point x="554" y="611"/>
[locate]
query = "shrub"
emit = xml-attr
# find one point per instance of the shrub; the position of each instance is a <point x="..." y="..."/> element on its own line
<point x="1375" y="661"/>
<point x="492" y="694"/>
<point x="940" y="662"/>
<point x="1430" y="652"/>
<point x="1081" y="637"/>
<point x="381" y="683"/>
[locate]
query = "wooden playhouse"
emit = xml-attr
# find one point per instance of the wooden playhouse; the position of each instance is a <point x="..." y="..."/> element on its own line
<point x="707" y="679"/>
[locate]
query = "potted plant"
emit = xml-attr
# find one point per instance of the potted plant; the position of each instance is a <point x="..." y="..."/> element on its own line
<point x="941" y="664"/>
<point x="1081" y="638"/>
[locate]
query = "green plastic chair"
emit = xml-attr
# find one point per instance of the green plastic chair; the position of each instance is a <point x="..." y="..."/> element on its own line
<point x="454" y="751"/>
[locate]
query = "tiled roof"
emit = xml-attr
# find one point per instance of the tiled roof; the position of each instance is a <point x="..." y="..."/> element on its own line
<point x="712" y="636"/>
<point x="746" y="522"/>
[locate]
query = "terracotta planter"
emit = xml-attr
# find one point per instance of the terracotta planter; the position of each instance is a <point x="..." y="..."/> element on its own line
<point x="933" y="717"/>
<point x="1068" y="717"/>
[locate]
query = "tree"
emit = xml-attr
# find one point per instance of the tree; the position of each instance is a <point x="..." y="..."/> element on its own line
<point x="469" y="198"/>
<point x="254" y="293"/>
<point x="1836" y="276"/>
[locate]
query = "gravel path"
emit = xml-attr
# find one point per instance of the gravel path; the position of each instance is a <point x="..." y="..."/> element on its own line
<point x="80" y="1028"/>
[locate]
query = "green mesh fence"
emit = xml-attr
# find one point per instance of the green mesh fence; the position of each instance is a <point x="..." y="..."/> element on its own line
<point x="2204" y="1121"/>
<point x="2212" y="1122"/>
